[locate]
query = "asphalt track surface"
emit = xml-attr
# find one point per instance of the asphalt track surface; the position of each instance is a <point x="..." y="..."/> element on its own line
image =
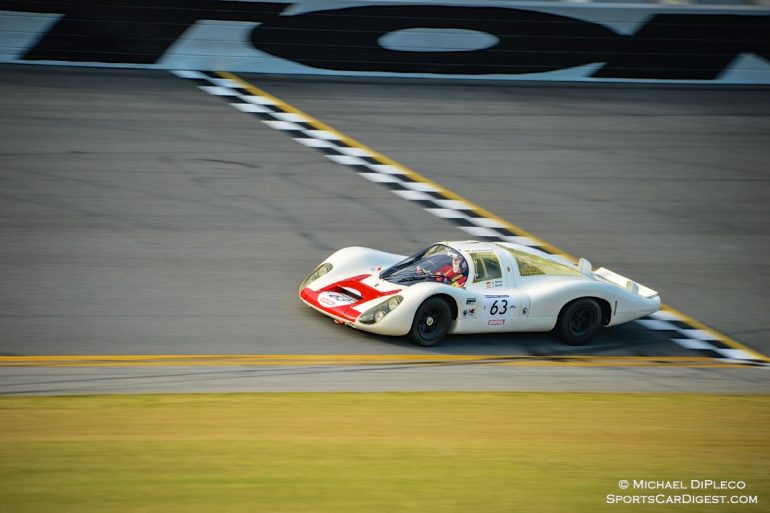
<point x="140" y="216"/>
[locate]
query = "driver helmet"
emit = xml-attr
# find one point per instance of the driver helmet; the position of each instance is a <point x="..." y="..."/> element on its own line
<point x="457" y="261"/>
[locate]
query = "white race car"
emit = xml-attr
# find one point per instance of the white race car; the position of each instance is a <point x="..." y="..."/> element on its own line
<point x="472" y="287"/>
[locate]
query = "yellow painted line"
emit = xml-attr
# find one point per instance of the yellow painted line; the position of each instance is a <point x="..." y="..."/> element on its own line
<point x="325" y="357"/>
<point x="721" y="336"/>
<point x="476" y="208"/>
<point x="354" y="360"/>
<point x="387" y="160"/>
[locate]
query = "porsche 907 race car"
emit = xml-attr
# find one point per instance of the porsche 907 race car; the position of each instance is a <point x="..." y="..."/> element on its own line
<point x="472" y="287"/>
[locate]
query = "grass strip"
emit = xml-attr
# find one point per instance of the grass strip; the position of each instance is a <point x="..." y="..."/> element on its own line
<point x="376" y="452"/>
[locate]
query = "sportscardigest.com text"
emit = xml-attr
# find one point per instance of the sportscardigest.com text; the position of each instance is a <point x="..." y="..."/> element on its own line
<point x="693" y="491"/>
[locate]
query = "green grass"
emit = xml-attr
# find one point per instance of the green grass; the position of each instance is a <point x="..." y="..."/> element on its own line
<point x="373" y="452"/>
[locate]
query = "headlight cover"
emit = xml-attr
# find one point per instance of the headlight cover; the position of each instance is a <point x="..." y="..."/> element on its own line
<point x="379" y="312"/>
<point x="317" y="273"/>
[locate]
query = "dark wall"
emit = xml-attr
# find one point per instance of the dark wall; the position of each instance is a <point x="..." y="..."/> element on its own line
<point x="669" y="44"/>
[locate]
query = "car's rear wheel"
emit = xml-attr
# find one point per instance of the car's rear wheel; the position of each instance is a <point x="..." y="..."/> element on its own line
<point x="579" y="321"/>
<point x="431" y="322"/>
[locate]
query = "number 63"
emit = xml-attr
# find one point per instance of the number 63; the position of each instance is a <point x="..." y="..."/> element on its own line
<point x="495" y="309"/>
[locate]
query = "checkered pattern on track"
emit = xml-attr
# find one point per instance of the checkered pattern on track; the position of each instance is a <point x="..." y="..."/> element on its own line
<point x="433" y="199"/>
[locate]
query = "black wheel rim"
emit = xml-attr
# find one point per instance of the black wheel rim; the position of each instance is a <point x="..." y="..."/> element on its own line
<point x="583" y="321"/>
<point x="431" y="323"/>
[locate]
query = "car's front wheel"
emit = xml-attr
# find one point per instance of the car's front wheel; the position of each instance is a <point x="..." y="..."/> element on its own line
<point x="431" y="322"/>
<point x="579" y="321"/>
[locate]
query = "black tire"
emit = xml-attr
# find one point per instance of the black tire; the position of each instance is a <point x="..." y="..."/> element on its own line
<point x="431" y="322"/>
<point x="579" y="321"/>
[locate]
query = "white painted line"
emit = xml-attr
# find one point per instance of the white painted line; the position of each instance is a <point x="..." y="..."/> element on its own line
<point x="525" y="241"/>
<point x="219" y="91"/>
<point x="385" y="168"/>
<point x="346" y="160"/>
<point x="323" y="134"/>
<point x="291" y="116"/>
<point x="698" y="334"/>
<point x="314" y="143"/>
<point x="653" y="324"/>
<point x="446" y="213"/>
<point x="487" y="223"/>
<point x="379" y="178"/>
<point x="478" y="231"/>
<point x="413" y="195"/>
<point x="420" y="186"/>
<point x="259" y="100"/>
<point x="455" y="204"/>
<point x="224" y="82"/>
<point x="735" y="354"/>
<point x="250" y="107"/>
<point x="282" y="125"/>
<point x="689" y="343"/>
<point x="353" y="151"/>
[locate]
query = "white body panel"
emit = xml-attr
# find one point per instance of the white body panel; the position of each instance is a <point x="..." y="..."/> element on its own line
<point x="510" y="303"/>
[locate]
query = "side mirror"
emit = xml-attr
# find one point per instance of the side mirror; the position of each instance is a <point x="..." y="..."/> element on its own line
<point x="632" y="287"/>
<point x="584" y="266"/>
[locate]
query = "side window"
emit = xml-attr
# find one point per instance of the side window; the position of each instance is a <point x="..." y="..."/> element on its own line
<point x="534" y="265"/>
<point x="487" y="266"/>
<point x="527" y="268"/>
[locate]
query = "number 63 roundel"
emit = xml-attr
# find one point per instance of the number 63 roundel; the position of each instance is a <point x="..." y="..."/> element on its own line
<point x="498" y="308"/>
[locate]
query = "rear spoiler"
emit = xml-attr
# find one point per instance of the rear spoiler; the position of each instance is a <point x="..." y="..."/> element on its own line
<point x="623" y="282"/>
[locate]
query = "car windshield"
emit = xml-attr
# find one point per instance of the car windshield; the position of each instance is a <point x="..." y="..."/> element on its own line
<point x="437" y="263"/>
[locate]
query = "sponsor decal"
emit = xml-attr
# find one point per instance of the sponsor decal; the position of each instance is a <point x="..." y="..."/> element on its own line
<point x="470" y="301"/>
<point x="469" y="313"/>
<point x="496" y="322"/>
<point x="667" y="46"/>
<point x="334" y="299"/>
